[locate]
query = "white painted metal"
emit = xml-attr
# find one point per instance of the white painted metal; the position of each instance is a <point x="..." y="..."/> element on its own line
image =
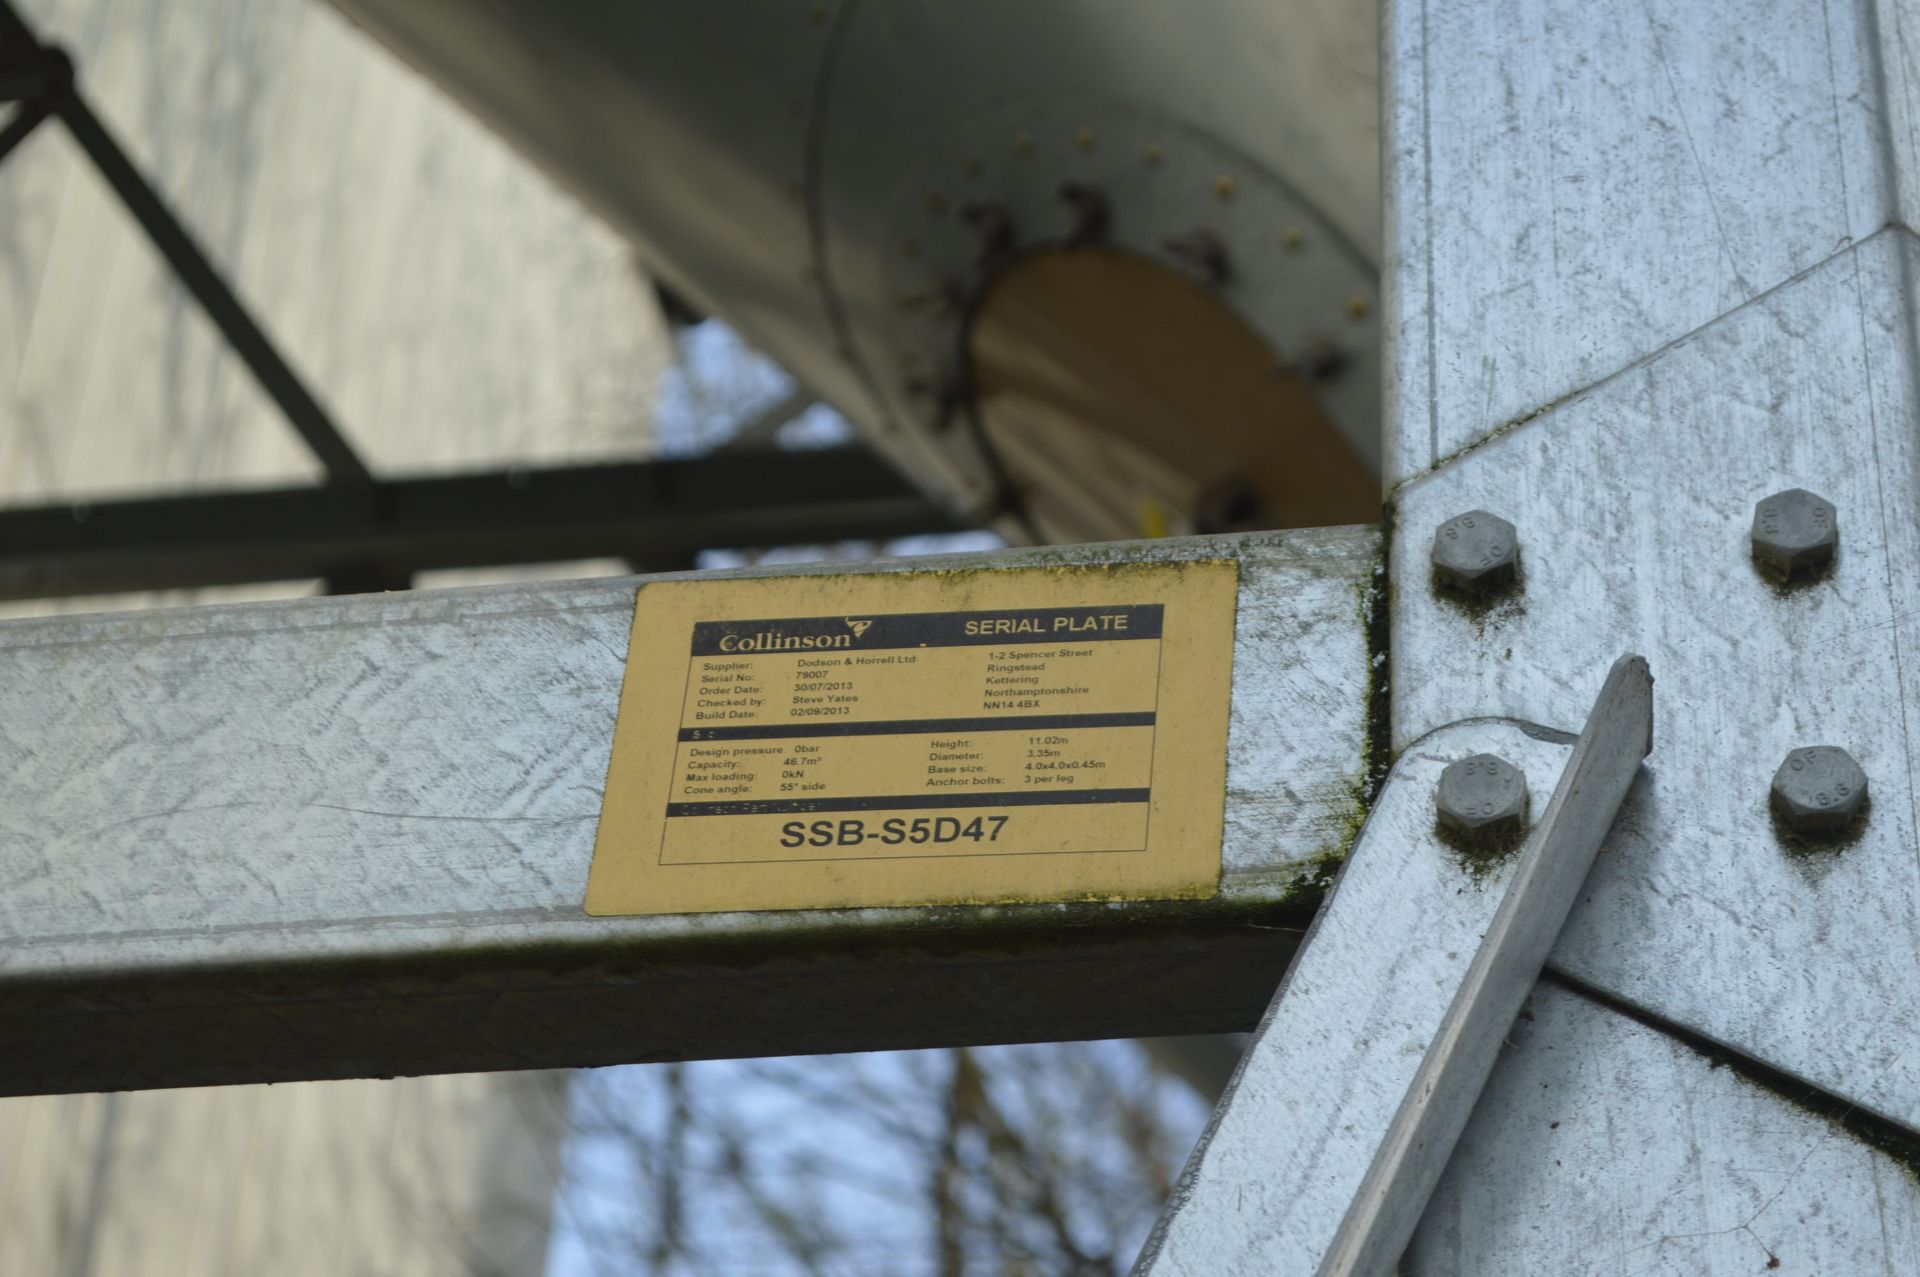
<point x="197" y="797"/>
<point x="1603" y="1147"/>
<point x="1650" y="239"/>
<point x="1154" y="110"/>
<point x="800" y="168"/>
<point x="1507" y="960"/>
<point x="688" y="127"/>
<point x="1332" y="1063"/>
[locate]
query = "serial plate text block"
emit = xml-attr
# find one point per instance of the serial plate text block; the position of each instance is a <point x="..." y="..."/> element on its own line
<point x="952" y="737"/>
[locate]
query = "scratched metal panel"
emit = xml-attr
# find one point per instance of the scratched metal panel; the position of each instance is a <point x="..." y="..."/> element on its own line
<point x="1601" y="1146"/>
<point x="1633" y="503"/>
<point x="413" y="781"/>
<point x="1572" y="185"/>
<point x="1273" y="1176"/>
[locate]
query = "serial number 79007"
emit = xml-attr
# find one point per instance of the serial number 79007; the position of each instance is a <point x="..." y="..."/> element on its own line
<point x="892" y="832"/>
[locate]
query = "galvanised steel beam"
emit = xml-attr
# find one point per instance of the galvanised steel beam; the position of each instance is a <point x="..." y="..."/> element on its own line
<point x="340" y="837"/>
<point x="660" y="513"/>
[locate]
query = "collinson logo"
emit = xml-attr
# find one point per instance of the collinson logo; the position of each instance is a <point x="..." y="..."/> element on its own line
<point x="774" y="641"/>
<point x="858" y="627"/>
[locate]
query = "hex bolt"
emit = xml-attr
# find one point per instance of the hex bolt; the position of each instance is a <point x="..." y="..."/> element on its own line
<point x="1819" y="789"/>
<point x="1795" y="534"/>
<point x="1482" y="801"/>
<point x="1476" y="553"/>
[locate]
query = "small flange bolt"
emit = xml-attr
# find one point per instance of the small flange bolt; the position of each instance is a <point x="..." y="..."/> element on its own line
<point x="1819" y="789"/>
<point x="1795" y="534"/>
<point x="1476" y="553"/>
<point x="1482" y="801"/>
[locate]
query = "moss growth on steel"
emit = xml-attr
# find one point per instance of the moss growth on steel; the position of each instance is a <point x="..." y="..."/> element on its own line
<point x="1474" y="445"/>
<point x="1898" y="1144"/>
<point x="1375" y="600"/>
<point x="1814" y="856"/>
<point x="1314" y="877"/>
<point x="1480" y="859"/>
<point x="1485" y="611"/>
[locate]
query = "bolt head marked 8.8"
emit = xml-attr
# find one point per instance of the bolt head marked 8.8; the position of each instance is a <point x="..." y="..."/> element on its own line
<point x="1795" y="534"/>
<point x="1819" y="789"/>
<point x="1476" y="552"/>
<point x="1483" y="799"/>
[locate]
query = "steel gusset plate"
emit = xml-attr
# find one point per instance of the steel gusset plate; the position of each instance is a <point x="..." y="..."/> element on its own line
<point x="1633" y="502"/>
<point x="1598" y="1144"/>
<point x="1291" y="1143"/>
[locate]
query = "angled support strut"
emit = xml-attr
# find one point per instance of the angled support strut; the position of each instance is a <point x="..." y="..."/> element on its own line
<point x="1322" y="1155"/>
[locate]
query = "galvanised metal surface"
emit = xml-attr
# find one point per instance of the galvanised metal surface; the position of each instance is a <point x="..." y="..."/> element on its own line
<point x="1319" y="1088"/>
<point x="1507" y="959"/>
<point x="1639" y="495"/>
<point x="1642" y="260"/>
<point x="1603" y="1146"/>
<point x="1483" y="801"/>
<point x="1476" y="553"/>
<point x="351" y="836"/>
<point x="1795" y="534"/>
<point x="1572" y="185"/>
<point x="1819" y="790"/>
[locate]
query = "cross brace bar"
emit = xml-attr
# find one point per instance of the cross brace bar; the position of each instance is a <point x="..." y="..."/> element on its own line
<point x="660" y="513"/>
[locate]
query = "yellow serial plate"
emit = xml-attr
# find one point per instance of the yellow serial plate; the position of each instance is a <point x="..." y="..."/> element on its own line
<point x="939" y="737"/>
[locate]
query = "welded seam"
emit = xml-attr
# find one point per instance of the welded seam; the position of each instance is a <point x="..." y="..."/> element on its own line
<point x="1888" y="529"/>
<point x="1426" y="227"/>
<point x="1885" y="1134"/>
<point x="1910" y="332"/>
<point x="1882" y="90"/>
<point x="1894" y="228"/>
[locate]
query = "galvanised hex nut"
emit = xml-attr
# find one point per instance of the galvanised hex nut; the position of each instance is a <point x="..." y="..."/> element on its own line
<point x="1795" y="534"/>
<point x="1482" y="800"/>
<point x="1819" y="789"/>
<point x="1476" y="552"/>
